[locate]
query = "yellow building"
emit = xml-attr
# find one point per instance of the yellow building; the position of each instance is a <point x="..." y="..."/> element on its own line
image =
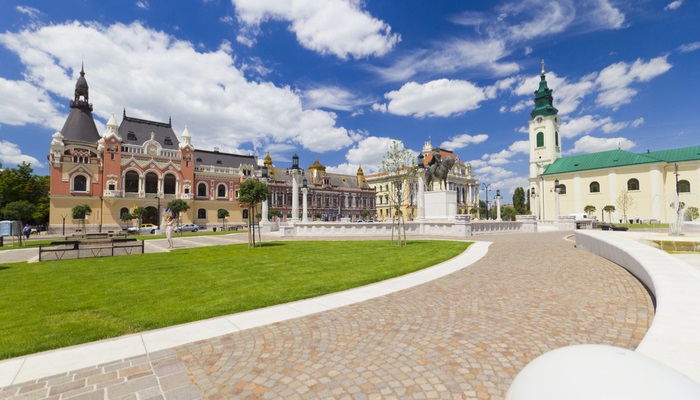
<point x="639" y="186"/>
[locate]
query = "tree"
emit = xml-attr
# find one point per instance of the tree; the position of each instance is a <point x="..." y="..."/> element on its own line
<point x="139" y="213"/>
<point x="624" y="203"/>
<point x="18" y="184"/>
<point x="252" y="192"/>
<point x="80" y="212"/>
<point x="127" y="217"/>
<point x="519" y="201"/>
<point x="399" y="166"/>
<point x="483" y="210"/>
<point x="21" y="210"/>
<point x="364" y="214"/>
<point x="508" y="213"/>
<point x="692" y="213"/>
<point x="177" y="207"/>
<point x="222" y="214"/>
<point x="609" y="209"/>
<point x="589" y="209"/>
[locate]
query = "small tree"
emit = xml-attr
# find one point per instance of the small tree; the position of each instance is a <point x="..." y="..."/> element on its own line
<point x="222" y="214"/>
<point x="139" y="213"/>
<point x="127" y="217"/>
<point x="624" y="203"/>
<point x="364" y="214"/>
<point x="177" y="207"/>
<point x="508" y="213"/>
<point x="80" y="212"/>
<point x="609" y="209"/>
<point x="692" y="213"/>
<point x="21" y="210"/>
<point x="252" y="192"/>
<point x="519" y="201"/>
<point x="399" y="166"/>
<point x="589" y="209"/>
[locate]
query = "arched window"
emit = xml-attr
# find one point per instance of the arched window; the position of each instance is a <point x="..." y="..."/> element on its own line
<point x="683" y="186"/>
<point x="131" y="182"/>
<point x="151" y="182"/>
<point x="221" y="191"/>
<point x="169" y="184"/>
<point x="540" y="139"/>
<point x="201" y="213"/>
<point x="244" y="214"/>
<point x="594" y="187"/>
<point x="202" y="189"/>
<point x="562" y="189"/>
<point x="80" y="183"/>
<point x="633" y="184"/>
<point x="123" y="211"/>
<point x="556" y="138"/>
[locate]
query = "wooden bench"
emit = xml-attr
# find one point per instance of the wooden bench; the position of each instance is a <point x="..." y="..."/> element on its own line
<point x="90" y="248"/>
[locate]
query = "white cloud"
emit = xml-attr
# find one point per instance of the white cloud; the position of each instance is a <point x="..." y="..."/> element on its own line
<point x="143" y="5"/>
<point x="589" y="123"/>
<point x="154" y="76"/>
<point x="332" y="97"/>
<point x="33" y="106"/>
<point x="28" y="11"/>
<point x="674" y="5"/>
<point x="589" y="144"/>
<point x="226" y="19"/>
<point x="368" y="153"/>
<point x="339" y="27"/>
<point x="10" y="154"/>
<point x="614" y="80"/>
<point x="687" y="48"/>
<point x="440" y="98"/>
<point x="462" y="141"/>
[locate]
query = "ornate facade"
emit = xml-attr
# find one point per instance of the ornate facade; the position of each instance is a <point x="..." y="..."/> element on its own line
<point x="137" y="163"/>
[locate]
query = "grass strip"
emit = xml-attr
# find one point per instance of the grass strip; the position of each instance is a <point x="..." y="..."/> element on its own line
<point x="55" y="304"/>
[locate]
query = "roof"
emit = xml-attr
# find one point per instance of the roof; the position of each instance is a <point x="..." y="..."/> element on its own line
<point x="80" y="126"/>
<point x="137" y="131"/>
<point x="226" y="160"/>
<point x="619" y="158"/>
<point x="340" y="181"/>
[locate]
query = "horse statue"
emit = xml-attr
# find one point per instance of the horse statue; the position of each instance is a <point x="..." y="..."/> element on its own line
<point x="439" y="169"/>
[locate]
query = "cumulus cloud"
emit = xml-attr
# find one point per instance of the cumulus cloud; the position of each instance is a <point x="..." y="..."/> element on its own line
<point x="674" y="5"/>
<point x="462" y="141"/>
<point x="589" y="144"/>
<point x="155" y="75"/>
<point x="34" y="106"/>
<point x="368" y="153"/>
<point x="589" y="123"/>
<point x="10" y="154"/>
<point x="614" y="80"/>
<point x="440" y="98"/>
<point x="332" y="97"/>
<point x="338" y="27"/>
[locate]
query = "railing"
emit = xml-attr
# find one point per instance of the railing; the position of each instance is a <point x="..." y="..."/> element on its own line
<point x="89" y="248"/>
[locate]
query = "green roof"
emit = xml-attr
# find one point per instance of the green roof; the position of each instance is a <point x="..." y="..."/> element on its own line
<point x="620" y="158"/>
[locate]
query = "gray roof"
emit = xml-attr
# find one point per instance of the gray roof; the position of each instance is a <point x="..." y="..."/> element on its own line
<point x="79" y="125"/>
<point x="137" y="131"/>
<point x="226" y="160"/>
<point x="337" y="180"/>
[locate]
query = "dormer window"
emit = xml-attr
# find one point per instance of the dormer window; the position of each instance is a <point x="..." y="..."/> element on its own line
<point x="168" y="141"/>
<point x="131" y="136"/>
<point x="199" y="159"/>
<point x="218" y="162"/>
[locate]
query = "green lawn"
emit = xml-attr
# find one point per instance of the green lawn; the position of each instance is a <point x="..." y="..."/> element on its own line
<point x="60" y="303"/>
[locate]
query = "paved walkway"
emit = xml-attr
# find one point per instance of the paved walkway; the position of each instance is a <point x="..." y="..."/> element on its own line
<point x="462" y="336"/>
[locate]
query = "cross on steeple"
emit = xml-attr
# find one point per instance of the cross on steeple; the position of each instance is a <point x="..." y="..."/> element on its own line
<point x="543" y="67"/>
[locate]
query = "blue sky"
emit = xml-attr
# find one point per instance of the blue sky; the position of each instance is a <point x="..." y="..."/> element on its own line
<point x="340" y="79"/>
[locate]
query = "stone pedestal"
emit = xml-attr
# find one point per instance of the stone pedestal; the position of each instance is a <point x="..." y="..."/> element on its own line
<point x="440" y="205"/>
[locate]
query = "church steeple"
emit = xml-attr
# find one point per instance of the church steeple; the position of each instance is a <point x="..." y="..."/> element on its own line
<point x="543" y="99"/>
<point x="80" y="126"/>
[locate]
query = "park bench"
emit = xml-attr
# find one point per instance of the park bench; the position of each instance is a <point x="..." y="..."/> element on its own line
<point x="90" y="248"/>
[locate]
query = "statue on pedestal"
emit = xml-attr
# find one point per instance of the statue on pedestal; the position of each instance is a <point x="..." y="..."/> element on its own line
<point x="439" y="169"/>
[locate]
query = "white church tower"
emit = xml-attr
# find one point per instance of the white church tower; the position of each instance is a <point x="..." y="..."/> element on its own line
<point x="545" y="142"/>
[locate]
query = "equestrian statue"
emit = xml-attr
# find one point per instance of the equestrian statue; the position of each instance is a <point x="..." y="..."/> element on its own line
<point x="438" y="169"/>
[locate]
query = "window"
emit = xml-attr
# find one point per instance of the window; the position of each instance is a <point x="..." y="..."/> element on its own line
<point x="540" y="139"/>
<point x="199" y="159"/>
<point x="131" y="182"/>
<point x="131" y="136"/>
<point x="201" y="213"/>
<point x="201" y="189"/>
<point x="168" y="141"/>
<point x="244" y="214"/>
<point x="221" y="191"/>
<point x="633" y="184"/>
<point x="151" y="183"/>
<point x="123" y="211"/>
<point x="169" y="183"/>
<point x="556" y="138"/>
<point x="218" y="162"/>
<point x="562" y="189"/>
<point x="594" y="187"/>
<point x="683" y="186"/>
<point x="79" y="183"/>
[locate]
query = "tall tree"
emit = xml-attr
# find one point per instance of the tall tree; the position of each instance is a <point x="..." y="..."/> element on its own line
<point x="80" y="212"/>
<point x="251" y="193"/>
<point x="21" y="210"/>
<point x="609" y="209"/>
<point x="625" y="202"/>
<point x="21" y="184"/>
<point x="399" y="165"/>
<point x="177" y="207"/>
<point x="519" y="201"/>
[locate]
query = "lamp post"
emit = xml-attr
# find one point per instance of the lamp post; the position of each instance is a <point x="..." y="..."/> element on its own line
<point x="294" y="171"/>
<point x="488" y="209"/>
<point x="265" y="206"/>
<point x="421" y="189"/>
<point x="158" y="197"/>
<point x="557" y="189"/>
<point x="498" y="205"/>
<point x="305" y="191"/>
<point x="533" y="203"/>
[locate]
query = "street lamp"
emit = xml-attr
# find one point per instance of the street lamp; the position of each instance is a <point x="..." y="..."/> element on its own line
<point x="533" y="204"/>
<point x="294" y="171"/>
<point x="487" y="188"/>
<point x="158" y="197"/>
<point x="498" y="204"/>
<point x="557" y="189"/>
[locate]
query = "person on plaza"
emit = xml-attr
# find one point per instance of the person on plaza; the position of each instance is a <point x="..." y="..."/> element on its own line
<point x="169" y="228"/>
<point x="27" y="231"/>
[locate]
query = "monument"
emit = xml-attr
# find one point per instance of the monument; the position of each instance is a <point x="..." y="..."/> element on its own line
<point x="440" y="204"/>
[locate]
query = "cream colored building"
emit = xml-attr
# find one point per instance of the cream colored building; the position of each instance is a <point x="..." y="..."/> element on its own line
<point x="561" y="186"/>
<point x="460" y="180"/>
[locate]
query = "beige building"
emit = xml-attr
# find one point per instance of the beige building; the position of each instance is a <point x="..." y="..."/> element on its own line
<point x="460" y="180"/>
<point x="640" y="186"/>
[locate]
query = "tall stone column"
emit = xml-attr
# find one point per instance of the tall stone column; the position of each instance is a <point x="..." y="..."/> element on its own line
<point x="295" y="197"/>
<point x="498" y="208"/>
<point x="264" y="211"/>
<point x="304" y="217"/>
<point x="420" y="200"/>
